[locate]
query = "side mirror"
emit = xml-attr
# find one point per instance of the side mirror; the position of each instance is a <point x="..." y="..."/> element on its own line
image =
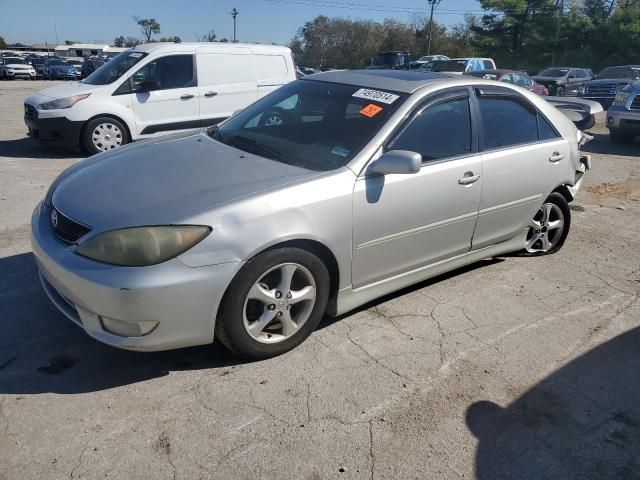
<point x="147" y="86"/>
<point x="397" y="161"/>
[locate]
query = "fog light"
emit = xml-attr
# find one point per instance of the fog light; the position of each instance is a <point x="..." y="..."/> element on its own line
<point x="128" y="329"/>
<point x="610" y="120"/>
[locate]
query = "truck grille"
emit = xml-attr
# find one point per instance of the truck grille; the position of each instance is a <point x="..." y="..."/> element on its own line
<point x="601" y="90"/>
<point x="30" y="112"/>
<point x="65" y="228"/>
<point x="635" y="105"/>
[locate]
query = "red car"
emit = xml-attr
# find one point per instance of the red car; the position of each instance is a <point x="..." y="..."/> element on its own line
<point x="515" y="77"/>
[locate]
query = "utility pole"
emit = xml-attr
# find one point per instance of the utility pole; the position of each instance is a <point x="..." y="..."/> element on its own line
<point x="432" y="4"/>
<point x="560" y="8"/>
<point x="234" y="14"/>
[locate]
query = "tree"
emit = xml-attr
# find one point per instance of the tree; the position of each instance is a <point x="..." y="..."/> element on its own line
<point x="119" y="41"/>
<point x="148" y="26"/>
<point x="70" y="42"/>
<point x="174" y="39"/>
<point x="210" y="36"/>
<point x="3" y="44"/>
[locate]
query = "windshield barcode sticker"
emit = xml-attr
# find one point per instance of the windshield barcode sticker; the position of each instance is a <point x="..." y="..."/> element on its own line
<point x="376" y="95"/>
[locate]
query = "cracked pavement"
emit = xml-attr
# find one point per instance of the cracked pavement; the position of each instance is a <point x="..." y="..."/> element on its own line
<point x="513" y="367"/>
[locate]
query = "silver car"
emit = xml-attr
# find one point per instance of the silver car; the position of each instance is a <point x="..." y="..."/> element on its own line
<point x="330" y="192"/>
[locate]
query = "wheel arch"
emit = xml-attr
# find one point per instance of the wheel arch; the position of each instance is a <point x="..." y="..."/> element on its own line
<point x="564" y="191"/>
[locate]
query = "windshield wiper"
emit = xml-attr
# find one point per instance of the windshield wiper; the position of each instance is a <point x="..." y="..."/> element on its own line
<point x="259" y="148"/>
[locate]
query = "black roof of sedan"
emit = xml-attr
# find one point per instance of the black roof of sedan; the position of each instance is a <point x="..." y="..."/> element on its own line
<point x="403" y="81"/>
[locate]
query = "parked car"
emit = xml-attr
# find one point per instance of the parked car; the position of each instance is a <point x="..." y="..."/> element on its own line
<point x="564" y="81"/>
<point x="423" y="62"/>
<point x="514" y="77"/>
<point x="38" y="65"/>
<point x="57" y="69"/>
<point x="395" y="60"/>
<point x="77" y="65"/>
<point x="16" y="67"/>
<point x="623" y="116"/>
<point x="155" y="89"/>
<point x="249" y="231"/>
<point x="90" y="65"/>
<point x="610" y="82"/>
<point x="458" y="66"/>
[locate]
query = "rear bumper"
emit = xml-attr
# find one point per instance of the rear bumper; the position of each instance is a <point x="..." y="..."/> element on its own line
<point x="57" y="131"/>
<point x="183" y="300"/>
<point x="619" y="118"/>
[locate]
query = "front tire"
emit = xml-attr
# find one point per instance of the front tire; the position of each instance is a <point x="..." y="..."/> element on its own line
<point x="549" y="228"/>
<point x="273" y="304"/>
<point x="560" y="92"/>
<point x="620" y="137"/>
<point x="103" y="134"/>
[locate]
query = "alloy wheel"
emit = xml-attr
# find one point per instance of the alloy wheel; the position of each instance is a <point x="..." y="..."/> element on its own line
<point x="106" y="136"/>
<point x="545" y="229"/>
<point x="279" y="303"/>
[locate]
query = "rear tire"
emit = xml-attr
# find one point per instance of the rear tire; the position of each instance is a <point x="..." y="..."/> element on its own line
<point x="620" y="137"/>
<point x="273" y="304"/>
<point x="549" y="228"/>
<point x="103" y="134"/>
<point x="560" y="92"/>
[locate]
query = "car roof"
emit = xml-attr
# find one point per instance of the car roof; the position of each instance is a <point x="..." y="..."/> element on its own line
<point x="403" y="81"/>
<point x="192" y="46"/>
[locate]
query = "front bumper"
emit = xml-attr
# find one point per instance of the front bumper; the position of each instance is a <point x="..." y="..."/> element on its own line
<point x="619" y="118"/>
<point x="56" y="131"/>
<point x="63" y="75"/>
<point x="184" y="300"/>
<point x="21" y="74"/>
<point x="604" y="101"/>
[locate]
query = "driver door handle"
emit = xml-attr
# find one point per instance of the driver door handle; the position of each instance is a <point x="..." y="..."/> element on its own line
<point x="468" y="178"/>
<point x="186" y="96"/>
<point x="556" y="157"/>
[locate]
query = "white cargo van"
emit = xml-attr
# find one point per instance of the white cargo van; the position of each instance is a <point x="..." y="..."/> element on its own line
<point x="154" y="89"/>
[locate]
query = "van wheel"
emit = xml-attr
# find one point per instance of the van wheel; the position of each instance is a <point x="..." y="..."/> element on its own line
<point x="549" y="227"/>
<point x="104" y="133"/>
<point x="274" y="303"/>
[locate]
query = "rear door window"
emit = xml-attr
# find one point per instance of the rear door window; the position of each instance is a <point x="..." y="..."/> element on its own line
<point x="507" y="121"/>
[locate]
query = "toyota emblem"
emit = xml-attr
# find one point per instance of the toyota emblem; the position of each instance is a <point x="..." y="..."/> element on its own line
<point x="54" y="218"/>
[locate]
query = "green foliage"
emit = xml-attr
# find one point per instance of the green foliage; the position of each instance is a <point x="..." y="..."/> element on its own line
<point x="148" y="26"/>
<point x="3" y="44"/>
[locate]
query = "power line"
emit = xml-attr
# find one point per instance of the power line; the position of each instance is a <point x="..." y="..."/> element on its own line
<point x="400" y="9"/>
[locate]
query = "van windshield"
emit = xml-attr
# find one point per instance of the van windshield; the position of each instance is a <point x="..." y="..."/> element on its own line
<point x="315" y="125"/>
<point x="113" y="70"/>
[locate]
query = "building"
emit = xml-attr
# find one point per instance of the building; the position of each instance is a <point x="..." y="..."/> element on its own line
<point x="86" y="49"/>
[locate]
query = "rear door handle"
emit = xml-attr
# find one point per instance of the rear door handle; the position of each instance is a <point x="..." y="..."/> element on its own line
<point x="556" y="157"/>
<point x="186" y="96"/>
<point x="210" y="94"/>
<point x="468" y="178"/>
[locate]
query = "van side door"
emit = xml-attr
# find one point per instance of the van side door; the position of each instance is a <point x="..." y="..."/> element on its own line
<point x="164" y="95"/>
<point x="226" y="83"/>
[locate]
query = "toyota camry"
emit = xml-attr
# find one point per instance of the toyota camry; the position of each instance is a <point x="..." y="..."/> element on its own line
<point x="330" y="192"/>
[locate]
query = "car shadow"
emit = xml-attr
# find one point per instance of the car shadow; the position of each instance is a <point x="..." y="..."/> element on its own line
<point x="581" y="422"/>
<point x="42" y="351"/>
<point x="27" y="148"/>
<point x="602" y="144"/>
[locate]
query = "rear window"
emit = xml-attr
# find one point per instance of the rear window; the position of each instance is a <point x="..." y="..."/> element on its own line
<point x="450" y="66"/>
<point x="507" y="122"/>
<point x="554" y="72"/>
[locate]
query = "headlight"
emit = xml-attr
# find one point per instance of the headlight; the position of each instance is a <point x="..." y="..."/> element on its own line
<point x="67" y="102"/>
<point x="622" y="96"/>
<point x="142" y="246"/>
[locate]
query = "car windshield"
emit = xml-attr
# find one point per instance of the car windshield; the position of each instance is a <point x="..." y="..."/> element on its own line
<point x="384" y="59"/>
<point x="57" y="62"/>
<point x="314" y="125"/>
<point x="449" y="66"/>
<point x="628" y="73"/>
<point x="14" y="60"/>
<point x="114" y="69"/>
<point x="554" y="72"/>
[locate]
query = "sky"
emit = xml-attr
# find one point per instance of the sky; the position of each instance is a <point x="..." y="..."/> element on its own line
<point x="265" y="21"/>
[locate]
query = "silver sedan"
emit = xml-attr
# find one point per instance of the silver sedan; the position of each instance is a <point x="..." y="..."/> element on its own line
<point x="330" y="192"/>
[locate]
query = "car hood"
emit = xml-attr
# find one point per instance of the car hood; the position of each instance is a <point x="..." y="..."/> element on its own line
<point x="18" y="66"/>
<point x="159" y="182"/>
<point x="68" y="90"/>
<point x="607" y="81"/>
